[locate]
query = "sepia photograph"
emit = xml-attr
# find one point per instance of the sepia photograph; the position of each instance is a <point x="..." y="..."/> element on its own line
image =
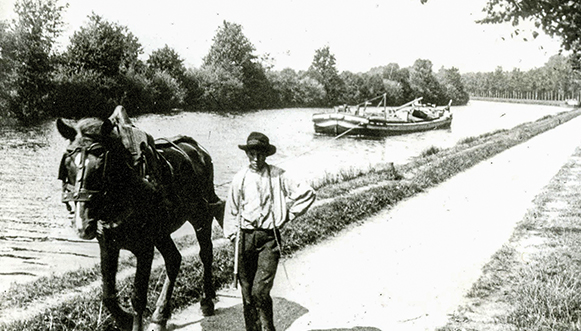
<point x="372" y="165"/>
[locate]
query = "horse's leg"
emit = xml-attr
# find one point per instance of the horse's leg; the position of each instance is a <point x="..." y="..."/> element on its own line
<point x="141" y="283"/>
<point x="173" y="259"/>
<point x="204" y="235"/>
<point x="109" y="264"/>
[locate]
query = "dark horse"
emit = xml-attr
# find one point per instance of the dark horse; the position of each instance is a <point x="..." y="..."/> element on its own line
<point x="115" y="204"/>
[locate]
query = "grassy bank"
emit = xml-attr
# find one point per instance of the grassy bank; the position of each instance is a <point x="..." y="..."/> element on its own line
<point x="533" y="282"/>
<point x="347" y="200"/>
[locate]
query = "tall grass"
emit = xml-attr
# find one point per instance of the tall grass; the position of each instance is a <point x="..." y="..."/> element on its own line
<point x="547" y="296"/>
<point x="536" y="276"/>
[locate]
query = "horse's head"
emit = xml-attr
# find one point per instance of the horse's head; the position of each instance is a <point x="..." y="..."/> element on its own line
<point x="93" y="164"/>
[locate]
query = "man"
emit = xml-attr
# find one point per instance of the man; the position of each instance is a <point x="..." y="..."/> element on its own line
<point x="260" y="201"/>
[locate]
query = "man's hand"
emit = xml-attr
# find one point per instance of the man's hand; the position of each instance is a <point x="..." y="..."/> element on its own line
<point x="232" y="237"/>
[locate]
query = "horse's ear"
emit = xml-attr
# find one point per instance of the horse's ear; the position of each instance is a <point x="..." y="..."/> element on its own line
<point x="66" y="130"/>
<point x="107" y="128"/>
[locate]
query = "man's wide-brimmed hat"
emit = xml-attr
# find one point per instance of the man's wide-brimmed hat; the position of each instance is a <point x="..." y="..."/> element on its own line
<point x="258" y="141"/>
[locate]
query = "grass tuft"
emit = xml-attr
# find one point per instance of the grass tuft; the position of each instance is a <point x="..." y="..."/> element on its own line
<point x="432" y="150"/>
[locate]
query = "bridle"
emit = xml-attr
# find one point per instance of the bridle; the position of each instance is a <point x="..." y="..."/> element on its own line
<point x="77" y="191"/>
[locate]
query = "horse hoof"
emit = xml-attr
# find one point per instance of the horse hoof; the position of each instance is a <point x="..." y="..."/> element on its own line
<point x="207" y="307"/>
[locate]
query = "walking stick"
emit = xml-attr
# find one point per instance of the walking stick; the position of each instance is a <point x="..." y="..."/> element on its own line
<point x="236" y="256"/>
<point x="238" y="232"/>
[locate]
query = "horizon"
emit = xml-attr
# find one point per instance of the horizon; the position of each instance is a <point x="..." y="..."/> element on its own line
<point x="360" y="34"/>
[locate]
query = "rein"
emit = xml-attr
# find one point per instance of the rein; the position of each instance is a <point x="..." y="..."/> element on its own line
<point x="78" y="192"/>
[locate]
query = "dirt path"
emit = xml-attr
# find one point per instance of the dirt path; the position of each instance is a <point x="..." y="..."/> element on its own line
<point x="409" y="267"/>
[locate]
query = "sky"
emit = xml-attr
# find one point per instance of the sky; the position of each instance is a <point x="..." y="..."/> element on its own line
<point x="362" y="34"/>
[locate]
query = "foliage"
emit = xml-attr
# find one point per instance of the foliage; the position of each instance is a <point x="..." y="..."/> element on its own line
<point x="110" y="52"/>
<point x="139" y="94"/>
<point x="557" y="18"/>
<point x="232" y="57"/>
<point x="284" y="84"/>
<point x="101" y="69"/>
<point x="323" y="69"/>
<point x="166" y="91"/>
<point x="395" y="92"/>
<point x="310" y="92"/>
<point x="191" y="82"/>
<point x="5" y="68"/>
<point x="424" y="83"/>
<point x="556" y="77"/>
<point x="169" y="83"/>
<point x="223" y="90"/>
<point x="168" y="60"/>
<point x="397" y="83"/>
<point x="354" y="90"/>
<point x="451" y="81"/>
<point x="560" y="18"/>
<point x="373" y="85"/>
<point x="82" y="92"/>
<point x="27" y="50"/>
<point x="292" y="89"/>
<point x="105" y="47"/>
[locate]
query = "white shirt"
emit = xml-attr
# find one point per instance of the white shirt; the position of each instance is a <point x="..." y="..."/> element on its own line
<point x="264" y="199"/>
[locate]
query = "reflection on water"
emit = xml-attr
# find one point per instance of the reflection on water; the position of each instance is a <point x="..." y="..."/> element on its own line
<point x="35" y="238"/>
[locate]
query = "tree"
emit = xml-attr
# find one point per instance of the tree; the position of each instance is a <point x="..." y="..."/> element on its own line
<point x="559" y="74"/>
<point x="167" y="92"/>
<point x="105" y="47"/>
<point x="285" y="84"/>
<point x="394" y="92"/>
<point x="516" y="83"/>
<point x="354" y="91"/>
<point x="27" y="51"/>
<point x="557" y="18"/>
<point x="424" y="84"/>
<point x="5" y="68"/>
<point x="560" y="18"/>
<point x="451" y="81"/>
<point x="400" y="92"/>
<point x="310" y="92"/>
<point x="82" y="93"/>
<point x="230" y="48"/>
<point x="324" y="70"/>
<point x="168" y="60"/>
<point x="373" y="85"/>
<point x="232" y="56"/>
<point x="108" y="54"/>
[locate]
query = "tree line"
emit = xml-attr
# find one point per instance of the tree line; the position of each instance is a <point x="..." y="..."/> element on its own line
<point x="556" y="80"/>
<point x="101" y="68"/>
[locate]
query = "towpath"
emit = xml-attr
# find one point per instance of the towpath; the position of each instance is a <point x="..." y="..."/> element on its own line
<point x="409" y="267"/>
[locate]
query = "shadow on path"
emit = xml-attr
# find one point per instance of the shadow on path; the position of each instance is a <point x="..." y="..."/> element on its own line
<point x="232" y="319"/>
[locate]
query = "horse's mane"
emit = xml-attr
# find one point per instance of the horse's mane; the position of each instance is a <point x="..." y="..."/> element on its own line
<point x="90" y="131"/>
<point x="90" y="127"/>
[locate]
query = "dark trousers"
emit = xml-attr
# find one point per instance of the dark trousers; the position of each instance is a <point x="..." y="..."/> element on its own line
<point x="258" y="261"/>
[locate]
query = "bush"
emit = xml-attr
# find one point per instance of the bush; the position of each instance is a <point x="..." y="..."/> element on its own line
<point x="82" y="93"/>
<point x="166" y="92"/>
